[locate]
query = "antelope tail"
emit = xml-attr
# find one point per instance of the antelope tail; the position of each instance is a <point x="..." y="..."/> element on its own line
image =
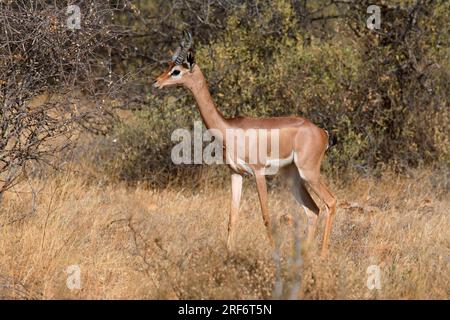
<point x="332" y="139"/>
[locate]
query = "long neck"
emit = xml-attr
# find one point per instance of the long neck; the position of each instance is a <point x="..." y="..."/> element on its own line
<point x="211" y="116"/>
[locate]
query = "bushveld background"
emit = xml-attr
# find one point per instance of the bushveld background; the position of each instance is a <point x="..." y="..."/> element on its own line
<point x="86" y="177"/>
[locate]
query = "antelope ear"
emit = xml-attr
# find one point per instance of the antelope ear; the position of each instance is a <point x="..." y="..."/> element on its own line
<point x="190" y="59"/>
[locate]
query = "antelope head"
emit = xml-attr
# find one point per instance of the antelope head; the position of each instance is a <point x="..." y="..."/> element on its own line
<point x="181" y="66"/>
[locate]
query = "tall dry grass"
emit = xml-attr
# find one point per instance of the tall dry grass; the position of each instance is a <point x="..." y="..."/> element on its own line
<point x="136" y="243"/>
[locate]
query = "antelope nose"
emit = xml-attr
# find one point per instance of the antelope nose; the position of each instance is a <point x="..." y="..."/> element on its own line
<point x="155" y="84"/>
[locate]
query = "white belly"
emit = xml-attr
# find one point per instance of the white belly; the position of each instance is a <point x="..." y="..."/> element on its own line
<point x="271" y="167"/>
<point x="274" y="165"/>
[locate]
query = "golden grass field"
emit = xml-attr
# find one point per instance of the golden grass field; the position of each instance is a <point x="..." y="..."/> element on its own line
<point x="136" y="243"/>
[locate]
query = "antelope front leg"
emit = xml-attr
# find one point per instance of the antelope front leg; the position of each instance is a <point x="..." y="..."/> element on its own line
<point x="262" y="192"/>
<point x="236" y="190"/>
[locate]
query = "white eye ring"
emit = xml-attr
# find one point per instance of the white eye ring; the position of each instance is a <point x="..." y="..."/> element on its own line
<point x="175" y="73"/>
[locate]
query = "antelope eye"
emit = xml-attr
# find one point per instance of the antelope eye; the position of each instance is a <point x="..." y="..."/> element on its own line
<point x="175" y="72"/>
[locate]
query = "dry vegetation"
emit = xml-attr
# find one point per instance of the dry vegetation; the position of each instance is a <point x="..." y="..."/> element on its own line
<point x="141" y="243"/>
<point x="140" y="227"/>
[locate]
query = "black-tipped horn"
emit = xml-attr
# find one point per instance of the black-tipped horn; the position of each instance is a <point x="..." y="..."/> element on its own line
<point x="182" y="50"/>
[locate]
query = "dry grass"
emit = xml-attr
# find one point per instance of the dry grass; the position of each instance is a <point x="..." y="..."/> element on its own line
<point x="152" y="244"/>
